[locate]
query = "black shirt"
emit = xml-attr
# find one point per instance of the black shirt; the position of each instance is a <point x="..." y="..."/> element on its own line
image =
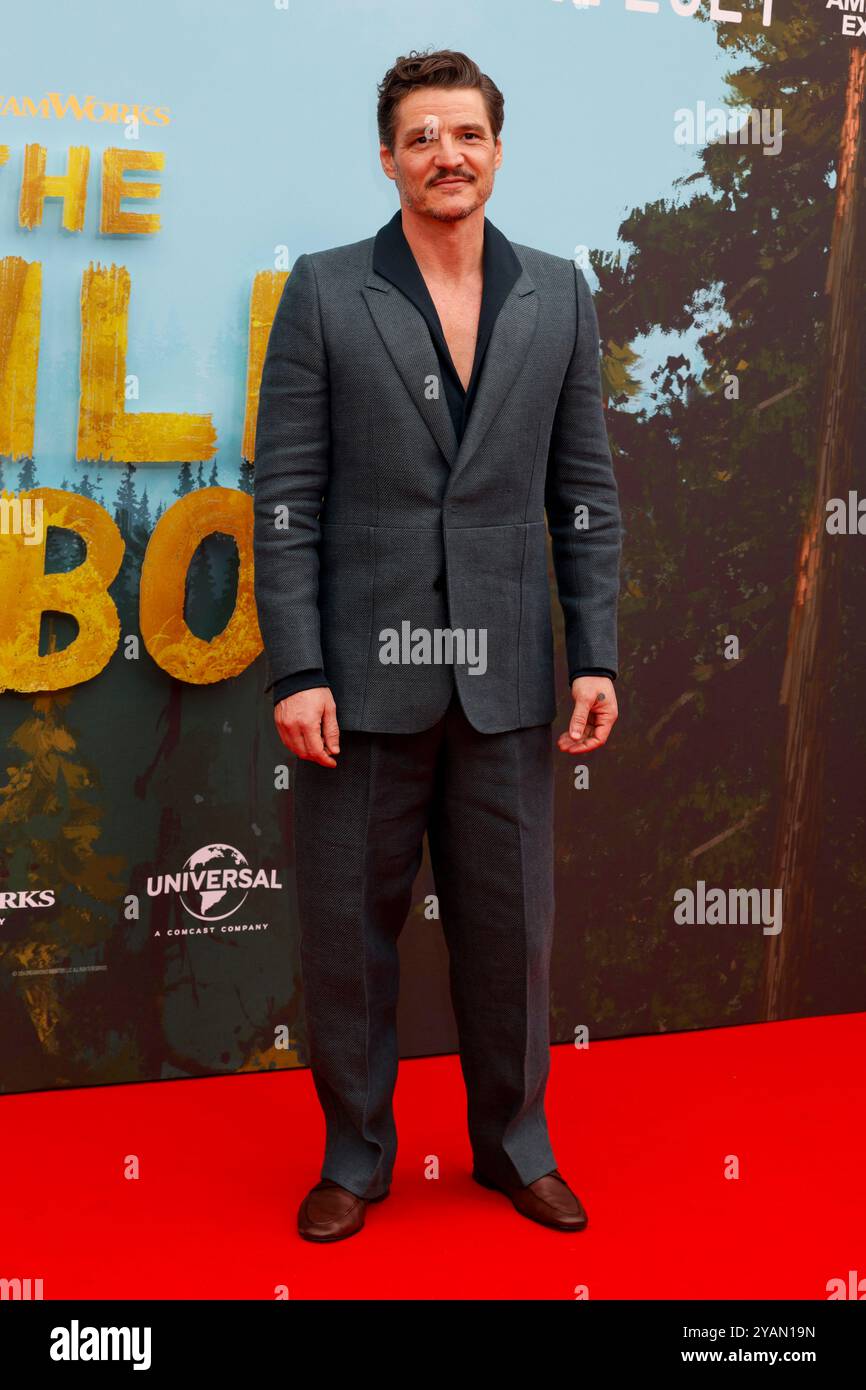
<point x="393" y="259"/>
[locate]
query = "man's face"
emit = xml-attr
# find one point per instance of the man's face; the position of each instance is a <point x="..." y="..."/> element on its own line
<point x="444" y="154"/>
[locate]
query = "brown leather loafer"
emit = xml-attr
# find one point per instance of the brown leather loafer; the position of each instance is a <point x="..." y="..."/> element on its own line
<point x="548" y="1200"/>
<point x="332" y="1212"/>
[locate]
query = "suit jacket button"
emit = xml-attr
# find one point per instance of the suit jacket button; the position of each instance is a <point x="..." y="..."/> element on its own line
<point x="437" y="583"/>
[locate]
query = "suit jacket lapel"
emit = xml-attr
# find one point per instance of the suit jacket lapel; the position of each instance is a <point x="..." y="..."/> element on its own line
<point x="404" y="331"/>
<point x="506" y="353"/>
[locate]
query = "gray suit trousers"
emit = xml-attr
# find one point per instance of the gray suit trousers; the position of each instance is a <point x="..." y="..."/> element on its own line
<point x="486" y="803"/>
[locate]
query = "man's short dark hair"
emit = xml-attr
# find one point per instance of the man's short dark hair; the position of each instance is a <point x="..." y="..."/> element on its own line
<point x="443" y="68"/>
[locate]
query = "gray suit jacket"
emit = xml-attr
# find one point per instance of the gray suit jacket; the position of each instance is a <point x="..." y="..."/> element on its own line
<point x="394" y="527"/>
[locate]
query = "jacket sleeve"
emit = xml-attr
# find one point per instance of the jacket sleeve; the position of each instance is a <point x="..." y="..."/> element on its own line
<point x="300" y="680"/>
<point x="591" y="671"/>
<point x="586" y="557"/>
<point x="292" y="451"/>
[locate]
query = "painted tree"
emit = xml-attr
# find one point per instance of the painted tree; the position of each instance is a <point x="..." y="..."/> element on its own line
<point x="26" y="475"/>
<point x="813" y="646"/>
<point x="185" y="482"/>
<point x="50" y="827"/>
<point x="717" y="471"/>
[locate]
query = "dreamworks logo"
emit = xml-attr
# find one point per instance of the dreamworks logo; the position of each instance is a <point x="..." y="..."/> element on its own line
<point x="25" y="897"/>
<point x="75" y="1343"/>
<point x="441" y="646"/>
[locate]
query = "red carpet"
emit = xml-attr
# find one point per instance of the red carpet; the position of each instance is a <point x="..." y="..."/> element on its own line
<point x="641" y="1127"/>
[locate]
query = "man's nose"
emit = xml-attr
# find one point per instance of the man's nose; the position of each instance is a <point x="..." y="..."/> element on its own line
<point x="448" y="153"/>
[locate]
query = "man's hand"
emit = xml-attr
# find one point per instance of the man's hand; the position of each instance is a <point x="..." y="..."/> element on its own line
<point x="595" y="713"/>
<point x="307" y="724"/>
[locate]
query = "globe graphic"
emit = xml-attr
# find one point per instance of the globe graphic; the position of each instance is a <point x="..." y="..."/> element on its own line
<point x="213" y="904"/>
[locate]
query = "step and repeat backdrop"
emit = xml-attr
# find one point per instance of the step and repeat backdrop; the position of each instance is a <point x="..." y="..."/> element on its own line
<point x="160" y="172"/>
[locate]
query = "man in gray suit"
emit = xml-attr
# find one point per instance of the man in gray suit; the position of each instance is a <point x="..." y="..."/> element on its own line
<point x="430" y="405"/>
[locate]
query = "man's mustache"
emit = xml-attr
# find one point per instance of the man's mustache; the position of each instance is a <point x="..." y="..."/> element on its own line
<point x="450" y="178"/>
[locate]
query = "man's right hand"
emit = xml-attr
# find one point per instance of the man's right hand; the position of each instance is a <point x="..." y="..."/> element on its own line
<point x="307" y="724"/>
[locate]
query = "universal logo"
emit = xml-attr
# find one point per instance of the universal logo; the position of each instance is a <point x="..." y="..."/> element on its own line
<point x="213" y="883"/>
<point x="52" y="107"/>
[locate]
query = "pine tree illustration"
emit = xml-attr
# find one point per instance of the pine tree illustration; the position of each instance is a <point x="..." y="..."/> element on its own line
<point x="26" y="476"/>
<point x="184" y="480"/>
<point x="246" y="474"/>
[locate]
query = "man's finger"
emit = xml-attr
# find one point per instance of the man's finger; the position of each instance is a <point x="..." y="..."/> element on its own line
<point x="577" y="723"/>
<point x="602" y="721"/>
<point x="288" y="732"/>
<point x="568" y="745"/>
<point x="331" y="728"/>
<point x="315" y="748"/>
<point x="596" y="731"/>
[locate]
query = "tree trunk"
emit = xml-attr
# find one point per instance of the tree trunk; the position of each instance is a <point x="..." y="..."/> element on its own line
<point x="813" y="630"/>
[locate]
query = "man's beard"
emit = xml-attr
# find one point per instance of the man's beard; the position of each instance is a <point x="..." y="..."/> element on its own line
<point x="454" y="215"/>
<point x="447" y="214"/>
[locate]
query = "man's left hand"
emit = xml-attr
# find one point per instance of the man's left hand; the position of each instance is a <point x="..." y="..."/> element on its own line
<point x="595" y="713"/>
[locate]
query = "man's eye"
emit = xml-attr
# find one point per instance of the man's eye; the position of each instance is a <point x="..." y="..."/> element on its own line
<point x="467" y="135"/>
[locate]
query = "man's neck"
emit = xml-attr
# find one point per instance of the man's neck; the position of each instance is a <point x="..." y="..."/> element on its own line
<point x="447" y="252"/>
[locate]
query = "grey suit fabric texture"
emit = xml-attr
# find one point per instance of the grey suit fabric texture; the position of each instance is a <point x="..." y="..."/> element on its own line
<point x="383" y="502"/>
<point x="356" y="441"/>
<point x="486" y="802"/>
